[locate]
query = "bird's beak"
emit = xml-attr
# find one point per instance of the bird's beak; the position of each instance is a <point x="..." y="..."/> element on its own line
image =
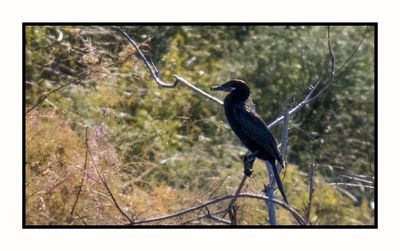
<point x="221" y="88"/>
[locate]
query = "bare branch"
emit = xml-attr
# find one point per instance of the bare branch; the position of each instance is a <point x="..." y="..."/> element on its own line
<point x="290" y="209"/>
<point x="46" y="95"/>
<point x="354" y="52"/>
<point x="312" y="96"/>
<point x="356" y="179"/>
<point x="212" y="216"/>
<point x="156" y="75"/>
<point x="104" y="182"/>
<point x="305" y="101"/>
<point x="350" y="185"/>
<point x="83" y="173"/>
<point x="238" y="191"/>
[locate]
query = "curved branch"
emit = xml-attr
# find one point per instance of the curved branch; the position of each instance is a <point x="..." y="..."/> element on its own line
<point x="290" y="209"/>
<point x="156" y="74"/>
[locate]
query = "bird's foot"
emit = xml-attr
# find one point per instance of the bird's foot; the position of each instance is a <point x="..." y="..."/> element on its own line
<point x="248" y="161"/>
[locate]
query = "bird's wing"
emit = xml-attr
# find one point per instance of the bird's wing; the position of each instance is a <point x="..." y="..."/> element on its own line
<point x="254" y="127"/>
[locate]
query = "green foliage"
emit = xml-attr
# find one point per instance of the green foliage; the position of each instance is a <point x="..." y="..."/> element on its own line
<point x="164" y="150"/>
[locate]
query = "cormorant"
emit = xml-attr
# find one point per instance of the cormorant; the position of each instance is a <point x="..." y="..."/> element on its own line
<point x="249" y="127"/>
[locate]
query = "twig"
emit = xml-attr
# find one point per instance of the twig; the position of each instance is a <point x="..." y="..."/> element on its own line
<point x="350" y="185"/>
<point x="209" y="215"/>
<point x="357" y="179"/>
<point x="83" y="176"/>
<point x="305" y="101"/>
<point x="354" y="51"/>
<point x="45" y="96"/>
<point x="297" y="216"/>
<point x="104" y="182"/>
<point x="312" y="96"/>
<point x="239" y="188"/>
<point x="311" y="192"/>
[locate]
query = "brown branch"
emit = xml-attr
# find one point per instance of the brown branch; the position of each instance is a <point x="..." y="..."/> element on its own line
<point x="239" y="188"/>
<point x="354" y="51"/>
<point x="297" y="216"/>
<point x="212" y="216"/>
<point x="83" y="176"/>
<point x="46" y="95"/>
<point x="104" y="182"/>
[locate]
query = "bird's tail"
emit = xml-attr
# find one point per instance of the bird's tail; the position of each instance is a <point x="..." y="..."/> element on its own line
<point x="279" y="182"/>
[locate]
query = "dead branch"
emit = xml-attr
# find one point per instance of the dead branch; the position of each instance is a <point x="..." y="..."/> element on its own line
<point x="46" y="95"/>
<point x="104" y="182"/>
<point x="328" y="82"/>
<point x="156" y="74"/>
<point x="297" y="216"/>
<point x="83" y="173"/>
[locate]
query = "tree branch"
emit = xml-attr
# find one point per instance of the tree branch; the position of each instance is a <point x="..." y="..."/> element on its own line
<point x="290" y="209"/>
<point x="156" y="74"/>
<point x="83" y="175"/>
<point x="46" y="95"/>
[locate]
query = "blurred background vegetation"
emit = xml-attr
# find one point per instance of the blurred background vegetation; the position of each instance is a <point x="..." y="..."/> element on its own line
<point x="165" y="150"/>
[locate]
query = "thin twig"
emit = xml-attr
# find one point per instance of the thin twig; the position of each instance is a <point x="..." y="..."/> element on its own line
<point x="104" y="182"/>
<point x="46" y="95"/>
<point x="350" y="185"/>
<point x="354" y="51"/>
<point x="83" y="176"/>
<point x="212" y="216"/>
<point x="311" y="192"/>
<point x="239" y="188"/>
<point x="312" y="96"/>
<point x="300" y="105"/>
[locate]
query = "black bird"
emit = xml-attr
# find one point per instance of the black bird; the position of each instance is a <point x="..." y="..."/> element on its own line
<point x="249" y="127"/>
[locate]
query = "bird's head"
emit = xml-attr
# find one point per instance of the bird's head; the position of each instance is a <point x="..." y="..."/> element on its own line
<point x="231" y="86"/>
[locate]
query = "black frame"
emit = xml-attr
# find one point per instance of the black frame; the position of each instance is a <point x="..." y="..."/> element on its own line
<point x="374" y="226"/>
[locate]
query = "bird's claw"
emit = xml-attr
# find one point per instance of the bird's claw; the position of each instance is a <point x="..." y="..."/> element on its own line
<point x="248" y="161"/>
